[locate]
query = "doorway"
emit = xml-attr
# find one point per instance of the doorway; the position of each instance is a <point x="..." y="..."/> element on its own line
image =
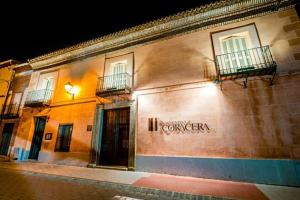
<point x="6" y="137"/>
<point x="115" y="137"/>
<point x="37" y="139"/>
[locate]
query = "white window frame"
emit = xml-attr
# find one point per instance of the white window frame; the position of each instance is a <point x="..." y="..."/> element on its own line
<point x="126" y="58"/>
<point x="248" y="31"/>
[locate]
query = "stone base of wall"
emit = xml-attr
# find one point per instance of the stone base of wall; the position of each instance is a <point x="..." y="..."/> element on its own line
<point x="264" y="171"/>
<point x="65" y="158"/>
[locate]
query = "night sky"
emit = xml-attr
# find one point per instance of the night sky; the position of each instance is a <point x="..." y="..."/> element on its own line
<point x="28" y="29"/>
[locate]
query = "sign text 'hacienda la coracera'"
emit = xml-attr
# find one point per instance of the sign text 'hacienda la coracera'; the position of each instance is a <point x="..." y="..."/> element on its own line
<point x="177" y="127"/>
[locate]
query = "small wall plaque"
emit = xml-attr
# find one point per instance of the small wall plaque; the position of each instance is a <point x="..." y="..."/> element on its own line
<point x="48" y="136"/>
<point x="89" y="127"/>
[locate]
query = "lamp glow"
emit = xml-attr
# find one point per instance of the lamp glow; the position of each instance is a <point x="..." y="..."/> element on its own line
<point x="72" y="90"/>
<point x="68" y="87"/>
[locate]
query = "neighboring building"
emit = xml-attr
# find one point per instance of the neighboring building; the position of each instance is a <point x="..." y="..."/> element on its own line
<point x="6" y="75"/>
<point x="13" y="87"/>
<point x="192" y="94"/>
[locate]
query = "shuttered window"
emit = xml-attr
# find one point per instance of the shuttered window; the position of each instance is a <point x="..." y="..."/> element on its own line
<point x="63" y="140"/>
<point x="236" y="49"/>
<point x="119" y="68"/>
<point x="117" y="78"/>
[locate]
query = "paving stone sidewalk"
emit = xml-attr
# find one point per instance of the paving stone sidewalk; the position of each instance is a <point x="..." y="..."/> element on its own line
<point x="159" y="186"/>
<point x="80" y="174"/>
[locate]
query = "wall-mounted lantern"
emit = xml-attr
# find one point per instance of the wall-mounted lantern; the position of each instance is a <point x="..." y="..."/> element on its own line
<point x="72" y="90"/>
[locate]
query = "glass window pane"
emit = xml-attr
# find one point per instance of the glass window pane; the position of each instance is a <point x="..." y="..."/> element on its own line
<point x="64" y="138"/>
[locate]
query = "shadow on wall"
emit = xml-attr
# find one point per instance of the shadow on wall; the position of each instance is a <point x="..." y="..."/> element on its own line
<point x="173" y="64"/>
<point x="80" y="150"/>
<point x="79" y="154"/>
<point x="279" y="36"/>
<point x="281" y="51"/>
<point x="27" y="121"/>
<point x="49" y="155"/>
<point x="83" y="75"/>
<point x="78" y="70"/>
<point x="267" y="116"/>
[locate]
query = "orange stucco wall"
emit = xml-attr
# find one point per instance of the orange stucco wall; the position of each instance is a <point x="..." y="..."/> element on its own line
<point x="5" y="78"/>
<point x="80" y="115"/>
<point x="64" y="110"/>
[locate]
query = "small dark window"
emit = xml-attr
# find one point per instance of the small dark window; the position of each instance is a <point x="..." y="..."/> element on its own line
<point x="63" y="140"/>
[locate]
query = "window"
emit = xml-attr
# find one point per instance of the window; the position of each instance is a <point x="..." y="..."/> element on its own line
<point x="47" y="81"/>
<point x="236" y="39"/>
<point x="238" y="50"/>
<point x="119" y="64"/>
<point x="63" y="140"/>
<point x="117" y="74"/>
<point x="118" y="78"/>
<point x="44" y="88"/>
<point x="13" y="103"/>
<point x="119" y="67"/>
<point x="235" y="45"/>
<point x="16" y="98"/>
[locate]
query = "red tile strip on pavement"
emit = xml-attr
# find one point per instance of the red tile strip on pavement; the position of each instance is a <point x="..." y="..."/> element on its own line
<point x="199" y="186"/>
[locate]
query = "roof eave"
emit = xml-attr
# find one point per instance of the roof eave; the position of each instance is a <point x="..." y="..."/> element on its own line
<point x="239" y="11"/>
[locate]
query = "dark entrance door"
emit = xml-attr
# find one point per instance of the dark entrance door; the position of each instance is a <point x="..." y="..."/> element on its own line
<point x="6" y="137"/>
<point x="37" y="138"/>
<point x="115" y="135"/>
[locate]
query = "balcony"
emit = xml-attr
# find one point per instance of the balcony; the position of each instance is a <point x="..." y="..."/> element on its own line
<point x="10" y="111"/>
<point x="116" y="84"/>
<point x="38" y="98"/>
<point x="243" y="64"/>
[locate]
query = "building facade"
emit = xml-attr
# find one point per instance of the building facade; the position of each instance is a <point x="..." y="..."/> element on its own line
<point x="212" y="92"/>
<point x="15" y="79"/>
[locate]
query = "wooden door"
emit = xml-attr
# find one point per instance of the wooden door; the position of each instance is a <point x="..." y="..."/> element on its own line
<point x="37" y="139"/>
<point x="6" y="137"/>
<point x="115" y="137"/>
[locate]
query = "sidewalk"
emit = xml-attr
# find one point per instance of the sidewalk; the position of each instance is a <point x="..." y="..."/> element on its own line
<point x="196" y="186"/>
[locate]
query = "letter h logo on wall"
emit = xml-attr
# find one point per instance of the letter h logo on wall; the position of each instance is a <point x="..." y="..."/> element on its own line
<point x="152" y="124"/>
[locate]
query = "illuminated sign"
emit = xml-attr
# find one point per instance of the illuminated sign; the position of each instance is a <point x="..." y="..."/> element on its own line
<point x="177" y="127"/>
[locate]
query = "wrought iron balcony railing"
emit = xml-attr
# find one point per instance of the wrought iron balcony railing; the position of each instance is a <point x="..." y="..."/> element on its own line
<point x="10" y="111"/>
<point x="116" y="83"/>
<point x="255" y="61"/>
<point x="38" y="98"/>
